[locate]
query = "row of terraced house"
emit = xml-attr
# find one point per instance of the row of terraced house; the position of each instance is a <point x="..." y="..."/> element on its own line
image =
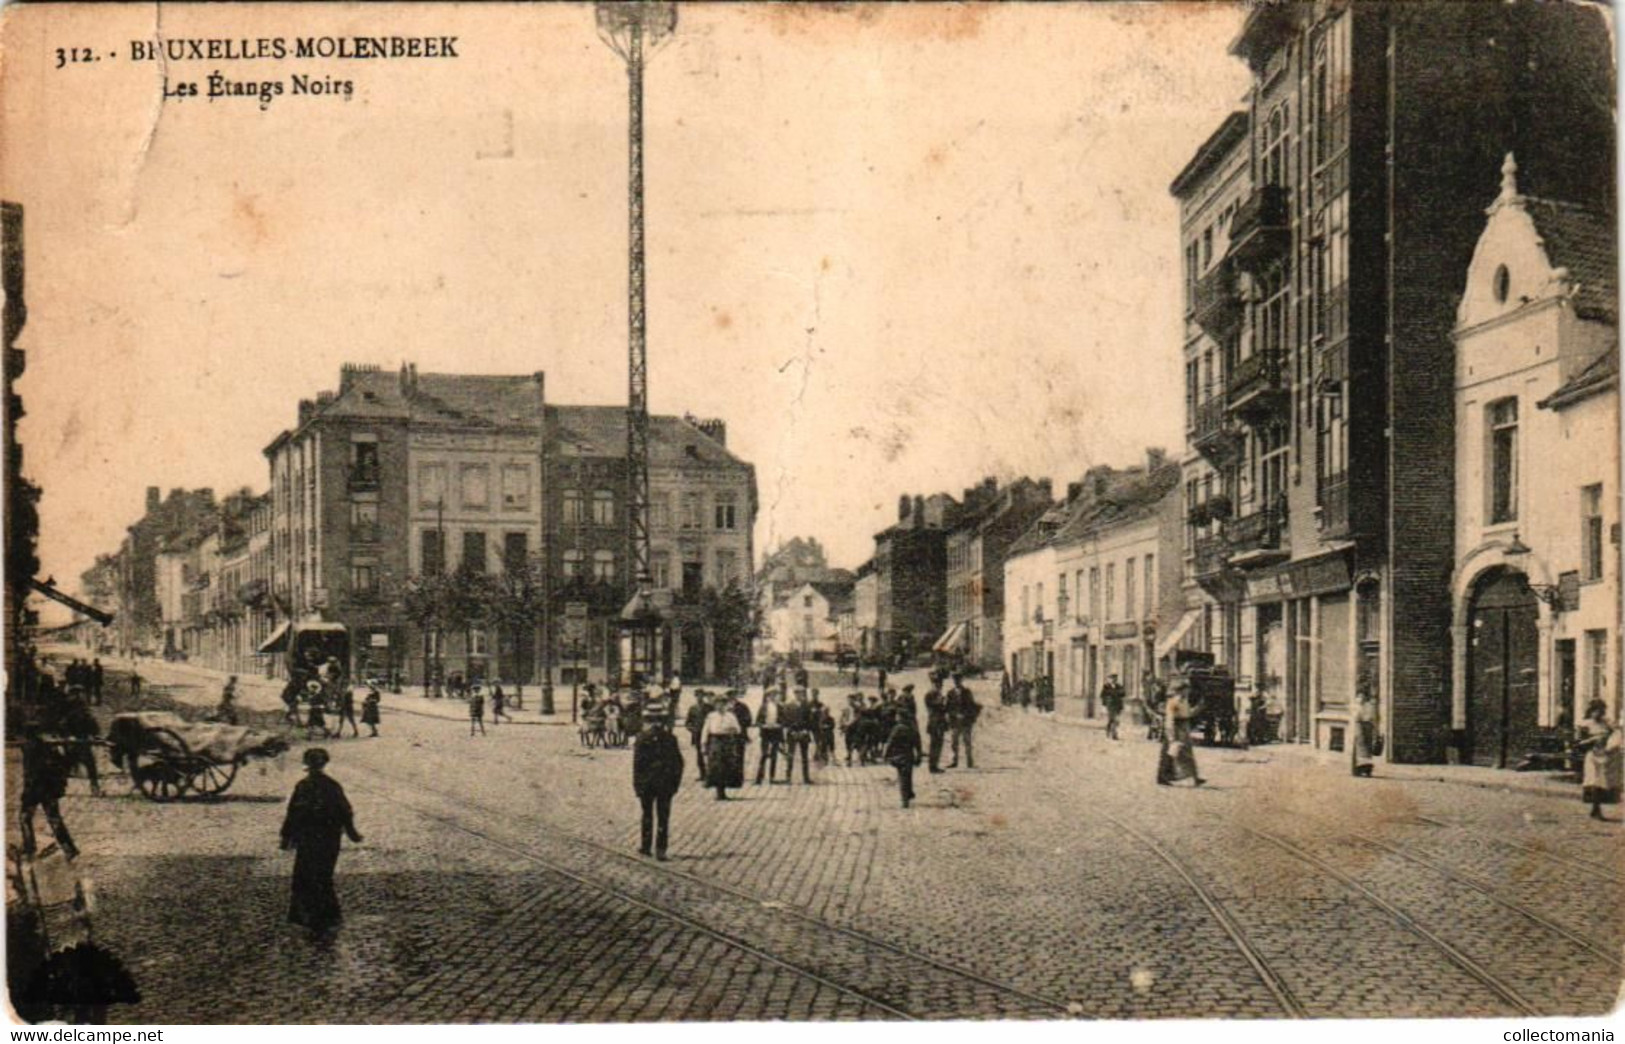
<point x="1401" y="396"/>
<point x="397" y="478"/>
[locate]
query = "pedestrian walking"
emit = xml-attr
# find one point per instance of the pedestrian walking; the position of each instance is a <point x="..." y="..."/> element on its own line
<point x="347" y="712"/>
<point x="97" y="678"/>
<point x="724" y="751"/>
<point x="369" y="709"/>
<point x="1177" y="759"/>
<point x="316" y="716"/>
<point x="849" y="723"/>
<point x="936" y="725"/>
<point x="499" y="704"/>
<point x="880" y="687"/>
<point x="1112" y="698"/>
<point x="657" y="773"/>
<point x="319" y="818"/>
<point x="770" y="733"/>
<point x="903" y="753"/>
<point x="226" y="710"/>
<point x="824" y="730"/>
<point x="1600" y="739"/>
<point x="963" y="710"/>
<point x="476" y="710"/>
<point x="46" y="767"/>
<point x="1367" y="740"/>
<point x="798" y="734"/>
<point x="696" y="725"/>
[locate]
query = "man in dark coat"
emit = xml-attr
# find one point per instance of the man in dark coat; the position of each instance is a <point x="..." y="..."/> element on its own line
<point x="797" y="717"/>
<point x="770" y="730"/>
<point x="97" y="677"/>
<point x="936" y="724"/>
<point x="903" y="752"/>
<point x="963" y="710"/>
<point x="1111" y="698"/>
<point x="319" y="817"/>
<point x="696" y="723"/>
<point x="657" y="773"/>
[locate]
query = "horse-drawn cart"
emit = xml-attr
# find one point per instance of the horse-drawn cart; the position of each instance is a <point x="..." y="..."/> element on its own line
<point x="169" y="757"/>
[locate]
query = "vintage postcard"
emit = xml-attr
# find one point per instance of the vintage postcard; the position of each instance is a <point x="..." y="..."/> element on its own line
<point x="692" y="512"/>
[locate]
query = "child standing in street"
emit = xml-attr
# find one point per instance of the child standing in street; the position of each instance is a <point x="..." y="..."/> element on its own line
<point x="369" y="709"/>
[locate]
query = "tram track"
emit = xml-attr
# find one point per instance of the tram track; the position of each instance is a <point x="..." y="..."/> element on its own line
<point x="1472" y="968"/>
<point x="1585" y="865"/>
<point x="1277" y="987"/>
<point x="1013" y="1001"/>
<point x="1591" y="945"/>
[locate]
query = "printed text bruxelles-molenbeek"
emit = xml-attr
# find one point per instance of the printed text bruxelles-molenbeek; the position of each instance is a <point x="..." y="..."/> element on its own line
<point x="278" y="47"/>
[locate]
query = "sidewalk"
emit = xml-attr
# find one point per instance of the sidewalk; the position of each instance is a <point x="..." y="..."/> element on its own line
<point x="1545" y="784"/>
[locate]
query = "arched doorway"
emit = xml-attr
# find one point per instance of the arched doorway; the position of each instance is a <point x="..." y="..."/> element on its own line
<point x="1502" y="657"/>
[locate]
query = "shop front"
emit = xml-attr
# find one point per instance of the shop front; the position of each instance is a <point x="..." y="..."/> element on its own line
<point x="1310" y="642"/>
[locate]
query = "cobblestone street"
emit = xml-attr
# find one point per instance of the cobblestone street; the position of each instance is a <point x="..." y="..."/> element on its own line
<point x="499" y="881"/>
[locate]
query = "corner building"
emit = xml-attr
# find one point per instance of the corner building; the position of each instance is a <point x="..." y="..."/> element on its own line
<point x="1375" y="131"/>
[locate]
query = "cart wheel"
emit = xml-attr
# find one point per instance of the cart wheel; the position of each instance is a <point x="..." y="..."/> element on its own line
<point x="212" y="778"/>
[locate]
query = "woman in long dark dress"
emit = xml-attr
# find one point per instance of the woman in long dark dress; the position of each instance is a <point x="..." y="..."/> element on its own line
<point x="319" y="817"/>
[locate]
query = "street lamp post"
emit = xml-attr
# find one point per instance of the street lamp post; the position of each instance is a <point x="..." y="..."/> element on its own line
<point x="632" y="30"/>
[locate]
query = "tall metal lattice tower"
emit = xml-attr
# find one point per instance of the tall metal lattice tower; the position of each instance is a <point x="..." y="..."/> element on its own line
<point x="633" y="30"/>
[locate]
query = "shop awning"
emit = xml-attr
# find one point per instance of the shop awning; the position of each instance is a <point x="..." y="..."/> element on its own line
<point x="1175" y="636"/>
<point x="951" y="640"/>
<point x="278" y="640"/>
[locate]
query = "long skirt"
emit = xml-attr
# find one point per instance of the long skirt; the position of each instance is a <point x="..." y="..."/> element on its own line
<point x="1365" y="742"/>
<point x="1177" y="760"/>
<point x="315" y="902"/>
<point x="1601" y="779"/>
<point x="725" y="761"/>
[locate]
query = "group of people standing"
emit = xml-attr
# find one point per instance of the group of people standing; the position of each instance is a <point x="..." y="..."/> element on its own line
<point x="87" y="678"/>
<point x="324" y="690"/>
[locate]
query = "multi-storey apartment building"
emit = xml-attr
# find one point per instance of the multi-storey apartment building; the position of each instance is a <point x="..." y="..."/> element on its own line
<point x="911" y="566"/>
<point x="397" y="476"/>
<point x="990" y="520"/>
<point x="1094" y="584"/>
<point x="1211" y="188"/>
<point x="1536" y="585"/>
<point x="1368" y="125"/>
<point x="702" y="514"/>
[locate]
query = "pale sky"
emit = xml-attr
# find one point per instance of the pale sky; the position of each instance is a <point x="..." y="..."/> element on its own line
<point x="896" y="248"/>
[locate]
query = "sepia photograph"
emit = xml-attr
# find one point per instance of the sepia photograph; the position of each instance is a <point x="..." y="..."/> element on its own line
<point x="649" y="512"/>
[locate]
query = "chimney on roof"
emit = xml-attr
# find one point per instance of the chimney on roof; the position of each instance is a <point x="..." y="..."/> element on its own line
<point x="348" y="372"/>
<point x="919" y="510"/>
<point x="306" y="410"/>
<point x="903" y="505"/>
<point x="1155" y="458"/>
<point x="716" y="428"/>
<point x="323" y="398"/>
<point x="1047" y="488"/>
<point x="990" y="484"/>
<point x="1074" y="490"/>
<point x="155" y="498"/>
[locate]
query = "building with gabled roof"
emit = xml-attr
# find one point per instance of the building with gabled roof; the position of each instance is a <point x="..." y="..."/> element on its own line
<point x="1535" y="589"/>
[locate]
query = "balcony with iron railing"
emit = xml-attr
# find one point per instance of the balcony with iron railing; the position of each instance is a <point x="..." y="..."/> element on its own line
<point x="1257" y="387"/>
<point x="1211" y="434"/>
<point x="1261" y="229"/>
<point x="1216" y="300"/>
<point x="1261" y="530"/>
<point x="1209" y="558"/>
